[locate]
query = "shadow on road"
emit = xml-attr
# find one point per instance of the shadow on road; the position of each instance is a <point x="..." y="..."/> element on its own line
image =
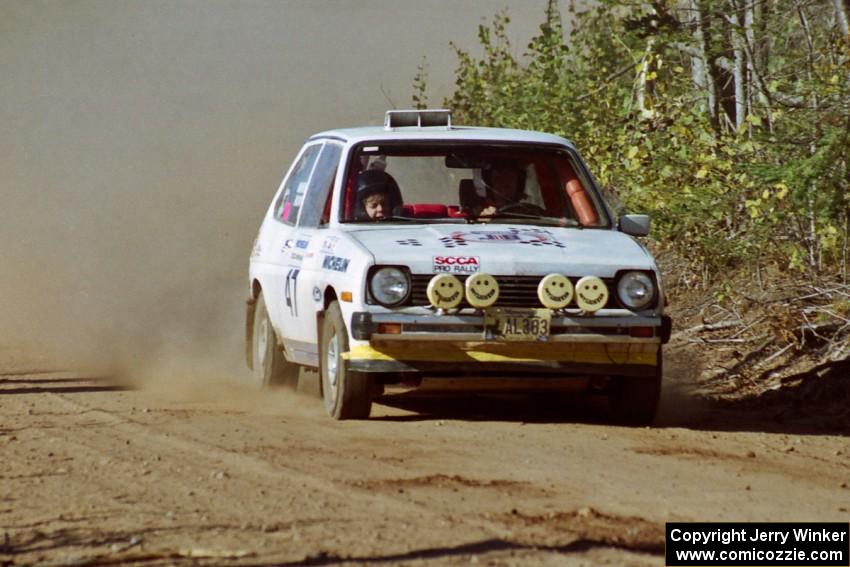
<point x="54" y="383"/>
<point x="550" y="408"/>
<point x="474" y="548"/>
<point x="818" y="405"/>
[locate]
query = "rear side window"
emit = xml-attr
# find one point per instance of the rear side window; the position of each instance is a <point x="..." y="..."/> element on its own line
<point x="321" y="185"/>
<point x="295" y="187"/>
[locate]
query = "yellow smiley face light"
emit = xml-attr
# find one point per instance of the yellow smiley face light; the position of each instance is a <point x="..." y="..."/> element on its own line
<point x="591" y="294"/>
<point x="482" y="290"/>
<point x="555" y="291"/>
<point x="444" y="291"/>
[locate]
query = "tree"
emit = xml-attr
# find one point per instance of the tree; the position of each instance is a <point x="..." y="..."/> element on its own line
<point x="728" y="120"/>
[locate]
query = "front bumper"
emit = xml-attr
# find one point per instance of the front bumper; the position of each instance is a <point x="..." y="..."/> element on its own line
<point x="455" y="344"/>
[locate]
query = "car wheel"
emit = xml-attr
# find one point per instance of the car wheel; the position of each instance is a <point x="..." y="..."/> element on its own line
<point x="347" y="394"/>
<point x="633" y="400"/>
<point x="270" y="366"/>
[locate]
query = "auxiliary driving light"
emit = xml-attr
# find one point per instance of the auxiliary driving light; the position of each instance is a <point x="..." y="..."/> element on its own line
<point x="555" y="291"/>
<point x="591" y="293"/>
<point x="482" y="290"/>
<point x="444" y="291"/>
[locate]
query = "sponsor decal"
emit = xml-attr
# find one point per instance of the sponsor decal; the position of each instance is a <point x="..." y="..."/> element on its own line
<point x="409" y="242"/>
<point x="532" y="236"/>
<point x="317" y="294"/>
<point x="329" y="244"/>
<point x="289" y="292"/>
<point x="335" y="263"/>
<point x="455" y="264"/>
<point x="490" y="236"/>
<point x="302" y="244"/>
<point x="296" y="256"/>
<point x="257" y="249"/>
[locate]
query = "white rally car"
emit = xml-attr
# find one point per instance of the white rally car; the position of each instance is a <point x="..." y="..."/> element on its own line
<point x="471" y="255"/>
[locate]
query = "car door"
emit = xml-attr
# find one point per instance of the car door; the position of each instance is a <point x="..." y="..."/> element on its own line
<point x="301" y="285"/>
<point x="278" y="243"/>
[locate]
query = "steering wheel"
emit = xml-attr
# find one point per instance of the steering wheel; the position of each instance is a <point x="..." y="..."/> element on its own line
<point x="522" y="208"/>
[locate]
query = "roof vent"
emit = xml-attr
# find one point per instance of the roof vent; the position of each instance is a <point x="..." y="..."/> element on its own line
<point x="418" y="119"/>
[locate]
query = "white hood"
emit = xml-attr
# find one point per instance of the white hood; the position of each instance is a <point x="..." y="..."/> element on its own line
<point x="506" y="249"/>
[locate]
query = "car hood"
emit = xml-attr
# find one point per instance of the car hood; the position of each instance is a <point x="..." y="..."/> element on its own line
<point x="506" y="249"/>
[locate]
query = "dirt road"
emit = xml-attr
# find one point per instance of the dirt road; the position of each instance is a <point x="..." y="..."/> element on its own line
<point x="195" y="472"/>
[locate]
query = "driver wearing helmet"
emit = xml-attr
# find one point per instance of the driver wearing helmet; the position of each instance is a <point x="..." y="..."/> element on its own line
<point x="377" y="195"/>
<point x="505" y="186"/>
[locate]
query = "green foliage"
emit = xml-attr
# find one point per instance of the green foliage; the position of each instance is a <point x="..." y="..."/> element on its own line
<point x="420" y="86"/>
<point x="622" y="87"/>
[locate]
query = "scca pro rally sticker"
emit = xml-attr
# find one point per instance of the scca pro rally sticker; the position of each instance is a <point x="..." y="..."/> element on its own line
<point x="456" y="264"/>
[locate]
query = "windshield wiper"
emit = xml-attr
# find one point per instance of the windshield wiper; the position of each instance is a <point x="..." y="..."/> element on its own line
<point x="548" y="221"/>
<point x="395" y="218"/>
<point x="448" y="220"/>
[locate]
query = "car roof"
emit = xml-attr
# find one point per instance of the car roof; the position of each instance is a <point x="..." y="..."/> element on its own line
<point x="441" y="133"/>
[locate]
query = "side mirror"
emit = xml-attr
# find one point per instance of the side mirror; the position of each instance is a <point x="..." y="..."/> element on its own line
<point x="635" y="225"/>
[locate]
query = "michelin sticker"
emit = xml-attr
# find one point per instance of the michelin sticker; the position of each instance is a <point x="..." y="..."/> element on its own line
<point x="335" y="263"/>
<point x="455" y="264"/>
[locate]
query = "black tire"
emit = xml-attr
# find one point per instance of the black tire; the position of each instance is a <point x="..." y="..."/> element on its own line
<point x="270" y="367"/>
<point x="346" y="394"/>
<point x="633" y="400"/>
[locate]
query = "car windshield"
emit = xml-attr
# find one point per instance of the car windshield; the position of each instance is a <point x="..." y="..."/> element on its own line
<point x="469" y="183"/>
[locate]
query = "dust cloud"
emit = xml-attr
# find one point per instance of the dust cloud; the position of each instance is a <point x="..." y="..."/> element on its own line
<point x="140" y="143"/>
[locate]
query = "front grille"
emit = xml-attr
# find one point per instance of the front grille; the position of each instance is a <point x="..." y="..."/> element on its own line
<point x="514" y="291"/>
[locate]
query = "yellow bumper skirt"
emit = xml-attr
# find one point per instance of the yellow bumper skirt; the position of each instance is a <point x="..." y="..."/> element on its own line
<point x="579" y="353"/>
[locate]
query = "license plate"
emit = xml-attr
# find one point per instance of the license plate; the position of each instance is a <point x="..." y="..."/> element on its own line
<point x="517" y="324"/>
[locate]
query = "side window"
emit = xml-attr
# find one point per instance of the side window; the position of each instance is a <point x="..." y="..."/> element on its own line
<point x="290" y="199"/>
<point x="321" y="185"/>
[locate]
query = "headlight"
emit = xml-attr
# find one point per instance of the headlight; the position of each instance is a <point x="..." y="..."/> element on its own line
<point x="635" y="290"/>
<point x="389" y="286"/>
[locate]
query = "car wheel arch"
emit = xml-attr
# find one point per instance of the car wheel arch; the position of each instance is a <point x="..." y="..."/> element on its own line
<point x="328" y="297"/>
<point x="256" y="289"/>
